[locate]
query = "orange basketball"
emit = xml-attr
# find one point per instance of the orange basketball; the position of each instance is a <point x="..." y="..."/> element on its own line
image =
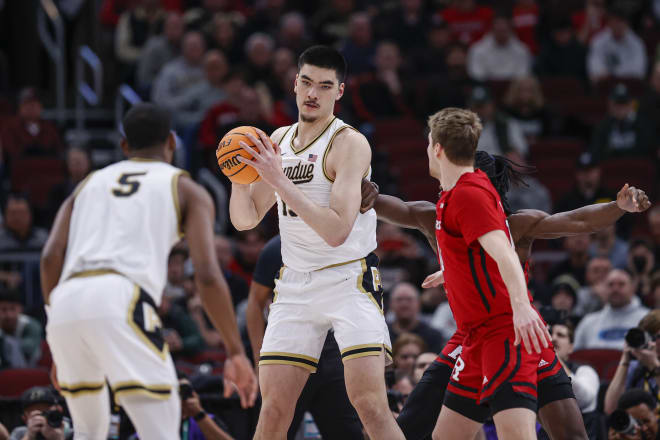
<point x="227" y="155"/>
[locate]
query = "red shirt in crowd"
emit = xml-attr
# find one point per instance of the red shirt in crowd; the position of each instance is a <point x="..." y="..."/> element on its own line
<point x="468" y="26"/>
<point x="579" y="19"/>
<point x="474" y="286"/>
<point x="18" y="135"/>
<point x="525" y="19"/>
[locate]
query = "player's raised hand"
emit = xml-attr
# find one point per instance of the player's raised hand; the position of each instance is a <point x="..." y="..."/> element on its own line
<point x="369" y="195"/>
<point x="632" y="199"/>
<point x="434" y="280"/>
<point x="530" y="329"/>
<point x="267" y="161"/>
<point x="239" y="375"/>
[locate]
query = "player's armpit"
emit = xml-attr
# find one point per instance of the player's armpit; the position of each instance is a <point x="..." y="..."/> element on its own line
<point x="53" y="253"/>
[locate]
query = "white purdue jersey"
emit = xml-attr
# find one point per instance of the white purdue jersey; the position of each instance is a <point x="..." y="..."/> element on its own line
<point x="126" y="219"/>
<point x="303" y="249"/>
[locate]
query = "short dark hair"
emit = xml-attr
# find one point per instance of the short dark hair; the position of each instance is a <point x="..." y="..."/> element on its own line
<point x="568" y="323"/>
<point x="146" y="125"/>
<point x="325" y="57"/>
<point x="636" y="396"/>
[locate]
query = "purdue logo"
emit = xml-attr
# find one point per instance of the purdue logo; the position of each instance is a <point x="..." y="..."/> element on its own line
<point x="301" y="173"/>
<point x="231" y="162"/>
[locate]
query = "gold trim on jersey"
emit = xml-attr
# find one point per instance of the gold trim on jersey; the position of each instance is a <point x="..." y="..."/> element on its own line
<point x="279" y="277"/>
<point x="339" y="264"/>
<point x="281" y="358"/>
<point x="158" y="391"/>
<point x="327" y="150"/>
<point x="362" y="350"/>
<point x="285" y="133"/>
<point x="177" y="205"/>
<point x="143" y="159"/>
<point x="295" y="134"/>
<point x="82" y="184"/>
<point x="361" y="288"/>
<point x="93" y="273"/>
<point x="129" y="318"/>
<point x="81" y="388"/>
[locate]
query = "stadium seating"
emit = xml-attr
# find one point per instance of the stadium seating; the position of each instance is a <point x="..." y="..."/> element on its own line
<point x="604" y="361"/>
<point x="36" y="176"/>
<point x="14" y="381"/>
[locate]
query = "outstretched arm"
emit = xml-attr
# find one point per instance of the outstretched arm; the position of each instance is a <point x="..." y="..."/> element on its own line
<point x="587" y="219"/>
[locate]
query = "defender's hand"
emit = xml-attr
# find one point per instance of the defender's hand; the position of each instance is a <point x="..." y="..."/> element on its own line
<point x="434" y="280"/>
<point x="530" y="329"/>
<point x="369" y="195"/>
<point x="239" y="374"/>
<point x="267" y="161"/>
<point x="632" y="199"/>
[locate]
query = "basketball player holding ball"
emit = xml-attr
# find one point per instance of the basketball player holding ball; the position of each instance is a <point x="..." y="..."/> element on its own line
<point x="330" y="278"/>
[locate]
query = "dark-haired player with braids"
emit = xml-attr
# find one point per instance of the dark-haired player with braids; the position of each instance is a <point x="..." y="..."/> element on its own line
<point x="557" y="408"/>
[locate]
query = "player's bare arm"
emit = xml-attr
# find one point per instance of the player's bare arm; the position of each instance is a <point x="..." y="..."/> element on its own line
<point x="198" y="213"/>
<point x="538" y="224"/>
<point x="527" y="324"/>
<point x="347" y="162"/>
<point x="256" y="324"/>
<point x="248" y="204"/>
<point x="54" y="251"/>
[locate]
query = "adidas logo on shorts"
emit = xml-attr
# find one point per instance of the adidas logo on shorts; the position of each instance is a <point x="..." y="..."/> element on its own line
<point x="543" y="363"/>
<point x="485" y="381"/>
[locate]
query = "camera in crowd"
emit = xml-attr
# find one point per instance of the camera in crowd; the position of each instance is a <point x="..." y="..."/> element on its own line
<point x="637" y="338"/>
<point x="185" y="391"/>
<point x="54" y="418"/>
<point x="622" y="422"/>
<point x="395" y="400"/>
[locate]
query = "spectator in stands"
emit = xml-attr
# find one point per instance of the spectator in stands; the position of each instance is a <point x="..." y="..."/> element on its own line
<point x="78" y="166"/>
<point x="285" y="110"/>
<point x="181" y="74"/>
<point x="592" y="296"/>
<point x="259" y="49"/>
<point x="179" y="330"/>
<point x="607" y="327"/>
<point x="575" y="263"/>
<point x="655" y="288"/>
<point x="225" y="37"/>
<point x="562" y="54"/>
<point x="499" y="55"/>
<point x="421" y="364"/>
<point x="176" y="272"/>
<point x="293" y="33"/>
<point x="625" y="132"/>
<point x="195" y="421"/>
<point x="359" y="48"/>
<point x="525" y="104"/>
<point x="383" y="93"/>
<point x="500" y="135"/>
<point x="278" y="86"/>
<point x="404" y="303"/>
<point x="588" y="186"/>
<point x="159" y="50"/>
<point x="266" y="18"/>
<point x="23" y="329"/>
<point x="330" y="23"/>
<point x="27" y="132"/>
<point x="650" y="102"/>
<point x="406" y="349"/>
<point x="201" y="18"/>
<point x="467" y="21"/>
<point x="135" y="27"/>
<point x="584" y="379"/>
<point x="406" y="24"/>
<point x="35" y="401"/>
<point x="590" y="21"/>
<point x="642" y="408"/>
<point x="641" y="262"/>
<point x="449" y="90"/>
<point x="401" y="257"/>
<point x="237" y="285"/>
<point x="525" y="20"/>
<point x="248" y="246"/>
<point x="616" y="51"/>
<point x="196" y="100"/>
<point x="532" y="194"/>
<point x="563" y="296"/>
<point x="654" y="228"/>
<point x="605" y="243"/>
<point x="430" y="58"/>
<point x="639" y="367"/>
<point x="18" y="232"/>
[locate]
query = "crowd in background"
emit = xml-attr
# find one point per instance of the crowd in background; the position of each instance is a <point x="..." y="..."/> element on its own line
<point x="534" y="71"/>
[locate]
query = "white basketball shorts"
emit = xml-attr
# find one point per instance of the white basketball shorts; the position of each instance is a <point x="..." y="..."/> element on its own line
<point x="347" y="298"/>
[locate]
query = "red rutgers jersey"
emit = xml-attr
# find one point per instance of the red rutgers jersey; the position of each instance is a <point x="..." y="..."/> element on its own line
<point x="475" y="289"/>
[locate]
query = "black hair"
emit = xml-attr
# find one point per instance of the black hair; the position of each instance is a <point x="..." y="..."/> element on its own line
<point x="326" y="57"/>
<point x="146" y="126"/>
<point x="634" y="397"/>
<point x="640" y="242"/>
<point x="15" y="195"/>
<point x="10" y="295"/>
<point x="178" y="251"/>
<point x="502" y="173"/>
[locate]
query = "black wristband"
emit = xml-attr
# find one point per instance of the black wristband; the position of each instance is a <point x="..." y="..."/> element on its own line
<point x="199" y="416"/>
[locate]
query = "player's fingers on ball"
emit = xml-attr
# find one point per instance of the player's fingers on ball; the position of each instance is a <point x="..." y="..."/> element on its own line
<point x="247" y="161"/>
<point x="249" y="149"/>
<point x="254" y="139"/>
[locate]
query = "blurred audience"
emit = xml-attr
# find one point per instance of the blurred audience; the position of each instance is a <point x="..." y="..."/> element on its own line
<point x="179" y="330"/>
<point x="525" y="20"/>
<point x="292" y="34"/>
<point x="467" y="21"/>
<point x="592" y="295"/>
<point x="605" y="243"/>
<point x="588" y="187"/>
<point x="642" y="411"/>
<point x="78" y="166"/>
<point x="18" y="327"/>
<point x="499" y="55"/>
<point x="35" y="402"/>
<point x="562" y="54"/>
<point x="405" y="306"/>
<point x="654" y="228"/>
<point x="406" y="24"/>
<point x="18" y="232"/>
<point x="563" y="296"/>
<point x="159" y="50"/>
<point x="259" y="50"/>
<point x="607" y="327"/>
<point x="406" y="349"/>
<point x="422" y="362"/>
<point x="524" y="103"/>
<point x="641" y="262"/>
<point x="359" y="48"/>
<point x="590" y="20"/>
